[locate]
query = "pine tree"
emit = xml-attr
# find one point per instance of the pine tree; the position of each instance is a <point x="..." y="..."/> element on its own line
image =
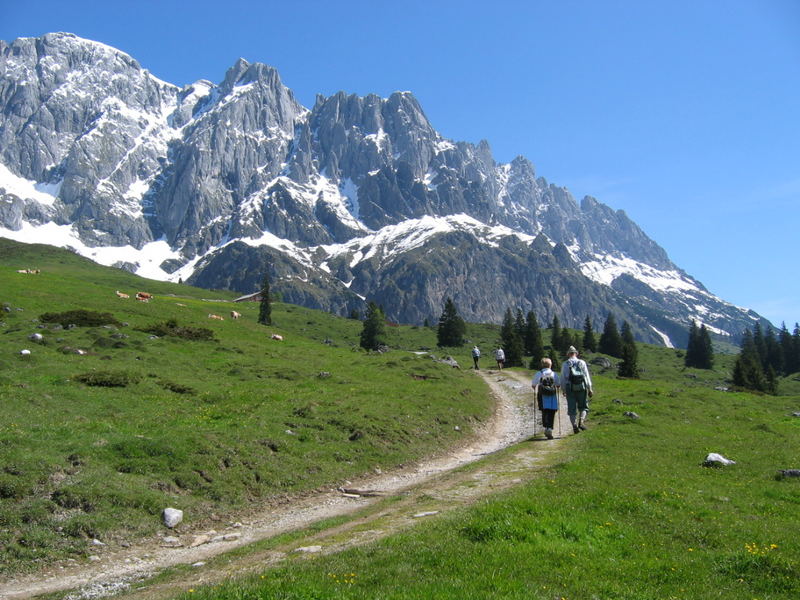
<point x="451" y="328"/>
<point x="706" y="356"/>
<point x="787" y="350"/>
<point x="690" y="360"/>
<point x="748" y="371"/>
<point x="555" y="334"/>
<point x="519" y="325"/>
<point x="534" y="346"/>
<point x="589" y="341"/>
<point x="510" y="341"/>
<point x="373" y="333"/>
<point x="699" y="350"/>
<point x="265" y="309"/>
<point x="610" y="340"/>
<point x="630" y="355"/>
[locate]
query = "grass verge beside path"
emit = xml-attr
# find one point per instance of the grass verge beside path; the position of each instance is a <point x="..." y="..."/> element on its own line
<point x="634" y="516"/>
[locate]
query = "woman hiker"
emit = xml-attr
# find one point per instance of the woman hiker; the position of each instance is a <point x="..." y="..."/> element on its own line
<point x="545" y="384"/>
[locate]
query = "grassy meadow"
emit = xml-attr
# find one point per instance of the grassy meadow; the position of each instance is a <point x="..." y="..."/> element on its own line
<point x="628" y="513"/>
<point x="95" y="445"/>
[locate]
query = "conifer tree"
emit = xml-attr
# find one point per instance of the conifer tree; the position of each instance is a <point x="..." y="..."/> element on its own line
<point x="748" y="372"/>
<point x="610" y="340"/>
<point x="787" y="351"/>
<point x="265" y="308"/>
<point x="699" y="350"/>
<point x="533" y="340"/>
<point x="451" y="326"/>
<point x="510" y="341"/>
<point x="589" y="340"/>
<point x="630" y="356"/>
<point x="373" y="333"/>
<point x="519" y="325"/>
<point x="555" y="334"/>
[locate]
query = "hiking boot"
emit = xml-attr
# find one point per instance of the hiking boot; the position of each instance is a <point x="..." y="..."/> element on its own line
<point x="575" y="429"/>
<point x="582" y="427"/>
<point x="548" y="433"/>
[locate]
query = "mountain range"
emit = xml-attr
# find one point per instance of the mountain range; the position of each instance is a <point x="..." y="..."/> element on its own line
<point x="356" y="199"/>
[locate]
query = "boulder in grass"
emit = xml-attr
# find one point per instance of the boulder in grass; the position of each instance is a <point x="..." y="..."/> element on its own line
<point x="631" y="415"/>
<point x="788" y="473"/>
<point x="171" y="517"/>
<point x="717" y="460"/>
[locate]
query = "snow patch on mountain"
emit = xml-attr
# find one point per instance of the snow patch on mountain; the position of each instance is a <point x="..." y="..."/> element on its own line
<point x="397" y="239"/>
<point x="43" y="193"/>
<point x="146" y="260"/>
<point x="606" y="268"/>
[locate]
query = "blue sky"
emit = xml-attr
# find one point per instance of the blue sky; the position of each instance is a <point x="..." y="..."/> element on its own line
<point x="684" y="114"/>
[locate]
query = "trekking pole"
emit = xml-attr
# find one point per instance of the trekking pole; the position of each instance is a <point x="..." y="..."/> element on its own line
<point x="558" y="410"/>
<point x="534" y="414"/>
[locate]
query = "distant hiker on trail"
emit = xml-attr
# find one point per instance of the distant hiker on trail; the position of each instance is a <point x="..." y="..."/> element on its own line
<point x="500" y="357"/>
<point x="545" y="384"/>
<point x="476" y="354"/>
<point x="578" y="386"/>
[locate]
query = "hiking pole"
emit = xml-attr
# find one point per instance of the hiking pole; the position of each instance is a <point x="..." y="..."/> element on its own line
<point x="534" y="413"/>
<point x="558" y="410"/>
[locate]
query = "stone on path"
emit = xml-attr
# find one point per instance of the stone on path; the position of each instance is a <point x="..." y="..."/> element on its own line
<point x="171" y="517"/>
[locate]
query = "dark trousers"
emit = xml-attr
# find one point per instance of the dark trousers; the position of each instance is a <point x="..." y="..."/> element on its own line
<point x="548" y="417"/>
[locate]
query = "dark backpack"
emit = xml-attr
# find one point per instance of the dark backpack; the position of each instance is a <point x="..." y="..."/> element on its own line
<point x="577" y="380"/>
<point x="547" y="385"/>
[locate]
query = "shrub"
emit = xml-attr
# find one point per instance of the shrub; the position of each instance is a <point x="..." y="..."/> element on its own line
<point x="107" y="378"/>
<point x="171" y="328"/>
<point x="82" y="318"/>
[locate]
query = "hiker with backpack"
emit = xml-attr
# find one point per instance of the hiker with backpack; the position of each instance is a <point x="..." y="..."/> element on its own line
<point x="500" y="357"/>
<point x="578" y="388"/>
<point x="545" y="384"/>
<point x="476" y="354"/>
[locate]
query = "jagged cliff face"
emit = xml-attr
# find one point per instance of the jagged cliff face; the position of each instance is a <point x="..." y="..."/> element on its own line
<point x="355" y="199"/>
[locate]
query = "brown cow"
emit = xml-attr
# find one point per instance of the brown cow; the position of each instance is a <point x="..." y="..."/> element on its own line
<point x="217" y="317"/>
<point x="121" y="295"/>
<point x="143" y="296"/>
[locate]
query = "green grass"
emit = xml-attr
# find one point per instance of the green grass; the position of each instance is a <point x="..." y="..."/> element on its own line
<point x="97" y="444"/>
<point x="633" y="515"/>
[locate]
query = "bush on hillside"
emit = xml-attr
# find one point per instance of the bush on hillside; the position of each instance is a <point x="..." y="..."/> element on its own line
<point x="81" y="318"/>
<point x="171" y="328"/>
<point x="107" y="378"/>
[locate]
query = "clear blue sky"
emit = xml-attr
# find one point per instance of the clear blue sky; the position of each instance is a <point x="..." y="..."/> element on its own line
<point x="683" y="113"/>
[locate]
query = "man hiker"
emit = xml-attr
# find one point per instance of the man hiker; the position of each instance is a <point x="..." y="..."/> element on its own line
<point x="545" y="384"/>
<point x="578" y="387"/>
<point x="500" y="357"/>
<point x="476" y="354"/>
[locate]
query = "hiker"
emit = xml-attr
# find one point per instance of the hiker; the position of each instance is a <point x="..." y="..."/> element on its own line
<point x="578" y="388"/>
<point x="500" y="357"/>
<point x="476" y="354"/>
<point x="545" y="384"/>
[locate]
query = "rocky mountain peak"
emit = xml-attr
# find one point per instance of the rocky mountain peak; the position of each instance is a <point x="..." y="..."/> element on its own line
<point x="359" y="198"/>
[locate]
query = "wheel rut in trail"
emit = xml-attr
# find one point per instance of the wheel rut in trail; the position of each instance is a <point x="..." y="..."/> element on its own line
<point x="434" y="486"/>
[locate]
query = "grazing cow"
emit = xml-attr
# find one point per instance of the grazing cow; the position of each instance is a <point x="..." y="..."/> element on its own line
<point x="29" y="271"/>
<point x="121" y="295"/>
<point x="275" y="336"/>
<point x="217" y="317"/>
<point x="235" y="315"/>
<point x="143" y="296"/>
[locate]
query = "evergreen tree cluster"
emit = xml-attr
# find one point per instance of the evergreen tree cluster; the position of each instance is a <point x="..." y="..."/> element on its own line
<point x="699" y="351"/>
<point x="765" y="357"/>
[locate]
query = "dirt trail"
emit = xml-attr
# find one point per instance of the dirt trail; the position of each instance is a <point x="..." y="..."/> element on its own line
<point x="430" y="487"/>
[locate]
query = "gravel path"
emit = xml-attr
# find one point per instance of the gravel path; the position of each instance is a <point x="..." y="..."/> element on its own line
<point x="435" y="479"/>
